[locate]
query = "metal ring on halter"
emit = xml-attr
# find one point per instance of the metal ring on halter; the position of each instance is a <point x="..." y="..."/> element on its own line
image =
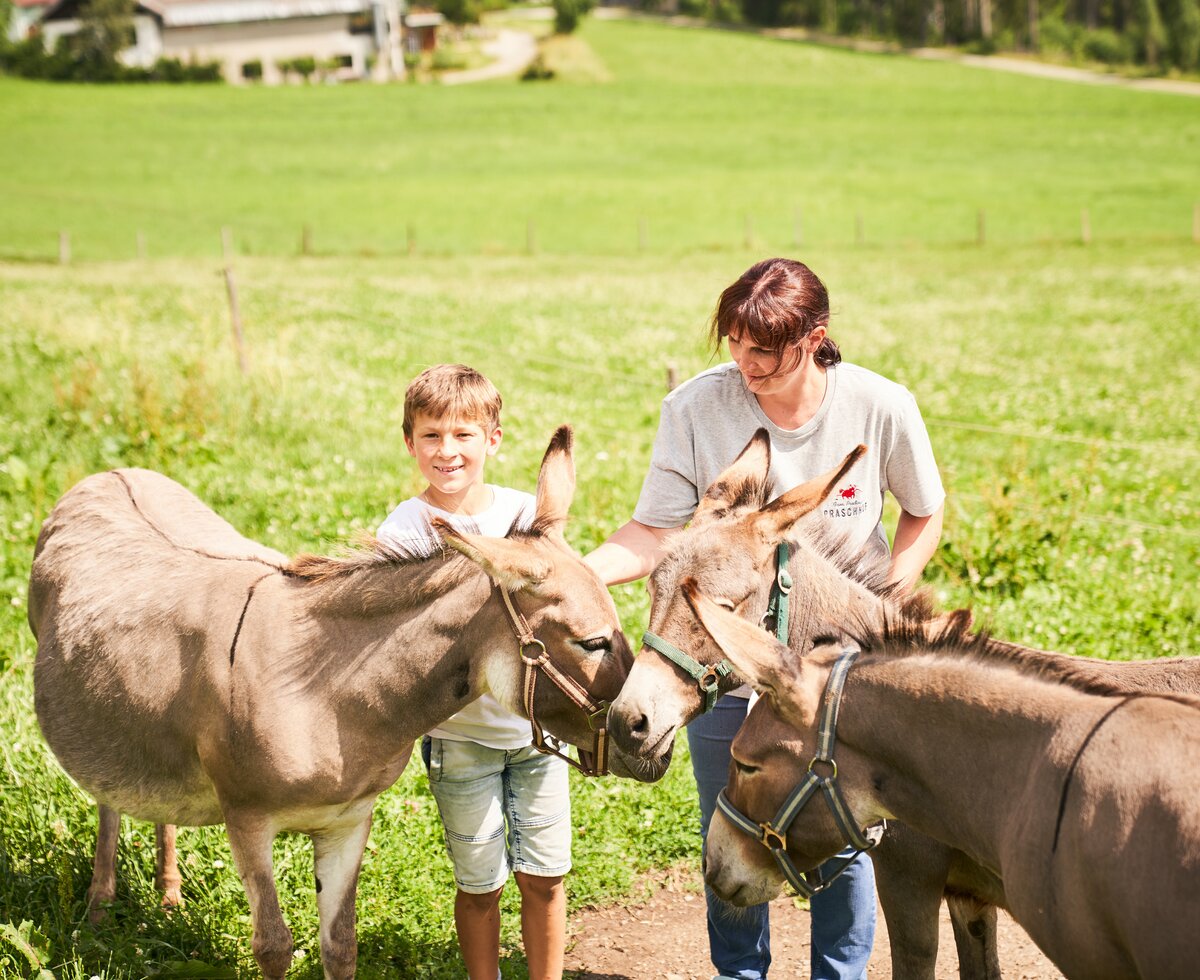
<point x="541" y="659"/>
<point x="783" y="581"/>
<point x="767" y="621"/>
<point x="829" y="762"/>
<point x="710" y="678"/>
<point x="770" y="834"/>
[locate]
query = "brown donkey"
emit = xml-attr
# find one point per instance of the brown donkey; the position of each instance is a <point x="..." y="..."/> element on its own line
<point x="730" y="551"/>
<point x="1082" y="797"/>
<point x="186" y="675"/>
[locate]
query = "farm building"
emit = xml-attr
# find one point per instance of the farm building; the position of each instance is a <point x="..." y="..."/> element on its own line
<point x="251" y="38"/>
<point x="25" y="14"/>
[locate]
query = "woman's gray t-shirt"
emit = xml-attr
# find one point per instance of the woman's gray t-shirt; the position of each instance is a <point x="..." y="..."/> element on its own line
<point x="709" y="419"/>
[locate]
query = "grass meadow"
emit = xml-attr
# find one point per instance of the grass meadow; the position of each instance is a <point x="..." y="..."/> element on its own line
<point x="1058" y="380"/>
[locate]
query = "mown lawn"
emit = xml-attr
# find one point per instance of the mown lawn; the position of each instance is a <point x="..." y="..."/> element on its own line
<point x="698" y="133"/>
<point x="1057" y="380"/>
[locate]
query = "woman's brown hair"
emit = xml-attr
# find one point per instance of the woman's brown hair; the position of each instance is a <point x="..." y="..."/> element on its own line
<point x="778" y="302"/>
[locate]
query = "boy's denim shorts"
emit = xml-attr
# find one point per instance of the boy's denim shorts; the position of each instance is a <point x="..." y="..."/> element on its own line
<point x="481" y="793"/>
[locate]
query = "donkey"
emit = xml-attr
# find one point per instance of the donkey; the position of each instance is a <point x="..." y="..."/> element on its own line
<point x="729" y="549"/>
<point x="188" y="676"/>
<point x="1082" y="797"/>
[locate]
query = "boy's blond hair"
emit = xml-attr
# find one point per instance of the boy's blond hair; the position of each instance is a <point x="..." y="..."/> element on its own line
<point x="452" y="391"/>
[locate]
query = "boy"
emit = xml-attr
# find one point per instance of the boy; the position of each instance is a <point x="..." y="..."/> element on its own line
<point x="483" y="768"/>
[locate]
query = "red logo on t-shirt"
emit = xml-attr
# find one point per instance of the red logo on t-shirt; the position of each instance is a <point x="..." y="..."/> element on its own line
<point x="849" y="493"/>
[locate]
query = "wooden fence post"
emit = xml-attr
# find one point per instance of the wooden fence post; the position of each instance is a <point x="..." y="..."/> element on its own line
<point x="64" y="248"/>
<point x="227" y="243"/>
<point x="672" y="379"/>
<point x="235" y="319"/>
<point x="306" y="240"/>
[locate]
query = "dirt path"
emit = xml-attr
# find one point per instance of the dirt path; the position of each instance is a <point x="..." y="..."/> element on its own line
<point x="664" y="939"/>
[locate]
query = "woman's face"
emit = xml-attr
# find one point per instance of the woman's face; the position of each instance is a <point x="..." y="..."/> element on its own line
<point x="758" y="365"/>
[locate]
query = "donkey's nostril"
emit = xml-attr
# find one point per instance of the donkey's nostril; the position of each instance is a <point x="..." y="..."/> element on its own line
<point x="640" y="726"/>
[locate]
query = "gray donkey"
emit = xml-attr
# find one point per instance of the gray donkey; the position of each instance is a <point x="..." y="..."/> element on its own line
<point x="186" y="675"/>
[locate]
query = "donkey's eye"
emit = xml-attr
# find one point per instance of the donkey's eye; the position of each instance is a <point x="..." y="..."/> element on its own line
<point x="744" y="768"/>
<point x="594" y="644"/>
<point x="725" y="604"/>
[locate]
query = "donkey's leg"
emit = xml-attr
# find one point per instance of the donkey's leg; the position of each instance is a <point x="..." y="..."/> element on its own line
<point x="166" y="875"/>
<point x="974" y="924"/>
<point x="338" y="857"/>
<point x="910" y="877"/>
<point x="250" y="841"/>
<point x="103" y="888"/>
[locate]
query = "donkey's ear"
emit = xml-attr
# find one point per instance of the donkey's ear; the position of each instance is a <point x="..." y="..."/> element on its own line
<point x="556" y="481"/>
<point x="743" y="482"/>
<point x="512" y="564"/>
<point x="762" y="661"/>
<point x="774" y="520"/>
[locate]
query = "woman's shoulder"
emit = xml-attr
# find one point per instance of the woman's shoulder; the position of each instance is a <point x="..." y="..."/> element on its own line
<point x="863" y="384"/>
<point x="721" y="381"/>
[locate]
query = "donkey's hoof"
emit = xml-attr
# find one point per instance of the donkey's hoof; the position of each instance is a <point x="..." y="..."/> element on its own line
<point x="172" y="899"/>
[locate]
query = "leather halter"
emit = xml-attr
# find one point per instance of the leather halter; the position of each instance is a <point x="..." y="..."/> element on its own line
<point x="535" y="656"/>
<point x="773" y="834"/>
<point x="708" y="677"/>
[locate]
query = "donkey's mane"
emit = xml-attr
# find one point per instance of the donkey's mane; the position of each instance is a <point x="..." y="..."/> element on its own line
<point x="901" y="636"/>
<point x="869" y="569"/>
<point x="369" y="553"/>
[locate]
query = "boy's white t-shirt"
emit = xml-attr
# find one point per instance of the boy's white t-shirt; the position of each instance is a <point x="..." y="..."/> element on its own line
<point x="485" y="720"/>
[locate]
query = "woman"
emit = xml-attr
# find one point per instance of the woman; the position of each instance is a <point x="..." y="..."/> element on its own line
<point x="788" y="377"/>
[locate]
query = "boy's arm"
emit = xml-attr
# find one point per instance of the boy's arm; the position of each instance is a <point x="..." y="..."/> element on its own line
<point x="631" y="552"/>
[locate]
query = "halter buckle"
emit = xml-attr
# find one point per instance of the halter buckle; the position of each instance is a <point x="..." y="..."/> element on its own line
<point x="709" y="679"/>
<point x="596" y="720"/>
<point x="771" y="838"/>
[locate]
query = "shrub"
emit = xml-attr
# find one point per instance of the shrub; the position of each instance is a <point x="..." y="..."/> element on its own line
<point x="1055" y="34"/>
<point x="252" y="71"/>
<point x="566" y="16"/>
<point x="1107" y="46"/>
<point x="537" y="71"/>
<point x="446" y="59"/>
<point x="460" y="11"/>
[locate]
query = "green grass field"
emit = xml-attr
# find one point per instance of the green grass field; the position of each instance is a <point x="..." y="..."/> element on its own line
<point x="696" y="132"/>
<point x="1057" y="380"/>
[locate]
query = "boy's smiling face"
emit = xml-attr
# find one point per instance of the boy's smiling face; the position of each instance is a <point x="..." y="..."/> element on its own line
<point x="450" y="454"/>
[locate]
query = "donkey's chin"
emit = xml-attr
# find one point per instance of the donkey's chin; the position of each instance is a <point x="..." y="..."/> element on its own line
<point x="643" y="770"/>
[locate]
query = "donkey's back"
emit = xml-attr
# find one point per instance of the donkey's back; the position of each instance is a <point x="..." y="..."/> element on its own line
<point x="134" y="598"/>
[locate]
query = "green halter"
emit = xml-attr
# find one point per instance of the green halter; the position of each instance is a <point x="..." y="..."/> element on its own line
<point x="709" y="677"/>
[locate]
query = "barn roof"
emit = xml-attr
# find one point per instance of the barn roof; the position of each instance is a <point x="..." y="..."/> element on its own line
<point x="194" y="13"/>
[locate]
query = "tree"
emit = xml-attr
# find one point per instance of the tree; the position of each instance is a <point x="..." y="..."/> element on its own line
<point x="105" y="30"/>
<point x="1183" y="32"/>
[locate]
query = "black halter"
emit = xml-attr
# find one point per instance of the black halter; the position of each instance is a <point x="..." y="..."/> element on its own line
<point x="709" y="677"/>
<point x="773" y="834"/>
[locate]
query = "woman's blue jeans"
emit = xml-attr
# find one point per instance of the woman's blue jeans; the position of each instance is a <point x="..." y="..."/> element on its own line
<point x="843" y="916"/>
